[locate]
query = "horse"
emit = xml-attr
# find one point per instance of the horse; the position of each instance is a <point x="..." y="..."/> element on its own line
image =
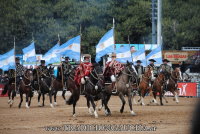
<point x="143" y="87"/>
<point x="172" y="85"/>
<point x="124" y="87"/>
<point x="10" y="89"/>
<point x="44" y="85"/>
<point x="58" y="85"/>
<point x="157" y="87"/>
<point x="94" y="87"/>
<point x="74" y="89"/>
<point x="25" y="88"/>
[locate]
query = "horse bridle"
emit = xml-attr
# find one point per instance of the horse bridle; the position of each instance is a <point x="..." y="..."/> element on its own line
<point x="27" y="79"/>
<point x="98" y="78"/>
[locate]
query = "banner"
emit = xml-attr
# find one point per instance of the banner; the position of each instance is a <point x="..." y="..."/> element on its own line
<point x="185" y="89"/>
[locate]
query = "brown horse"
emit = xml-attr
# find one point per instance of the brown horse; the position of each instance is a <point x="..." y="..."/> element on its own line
<point x="124" y="83"/>
<point x="10" y="88"/>
<point x="144" y="84"/>
<point x="25" y="88"/>
<point x="157" y="87"/>
<point x="172" y="85"/>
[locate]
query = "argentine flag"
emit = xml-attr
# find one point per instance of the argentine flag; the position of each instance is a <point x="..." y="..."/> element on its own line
<point x="51" y="56"/>
<point x="123" y="54"/>
<point x="140" y="55"/>
<point x="7" y="61"/>
<point x="29" y="53"/>
<point x="105" y="45"/>
<point x="155" y="54"/>
<point x="71" y="48"/>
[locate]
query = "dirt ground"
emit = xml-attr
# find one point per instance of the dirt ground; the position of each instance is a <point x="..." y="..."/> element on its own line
<point x="170" y="118"/>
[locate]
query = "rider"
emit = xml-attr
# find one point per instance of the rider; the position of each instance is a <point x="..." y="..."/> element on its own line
<point x="166" y="69"/>
<point x="83" y="70"/>
<point x="139" y="68"/>
<point x="154" y="68"/>
<point x="66" y="69"/>
<point x="42" y="71"/>
<point x="113" y="69"/>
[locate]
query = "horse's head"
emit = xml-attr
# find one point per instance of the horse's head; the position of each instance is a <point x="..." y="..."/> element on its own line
<point x="97" y="74"/>
<point x="50" y="71"/>
<point x="29" y="74"/>
<point x="176" y="74"/>
<point x="129" y="71"/>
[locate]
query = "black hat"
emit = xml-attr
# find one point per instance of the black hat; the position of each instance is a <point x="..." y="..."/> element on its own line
<point x="66" y="58"/>
<point x="138" y="61"/>
<point x="17" y="58"/>
<point x="165" y="60"/>
<point x="42" y="61"/>
<point x="152" y="60"/>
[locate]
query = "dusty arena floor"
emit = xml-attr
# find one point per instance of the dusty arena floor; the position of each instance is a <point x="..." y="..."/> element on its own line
<point x="171" y="118"/>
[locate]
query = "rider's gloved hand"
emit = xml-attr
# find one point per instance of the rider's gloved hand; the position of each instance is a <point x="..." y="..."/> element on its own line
<point x="86" y="77"/>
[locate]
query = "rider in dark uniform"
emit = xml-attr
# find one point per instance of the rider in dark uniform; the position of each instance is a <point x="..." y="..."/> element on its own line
<point x="66" y="69"/>
<point x="166" y="69"/>
<point x="154" y="68"/>
<point x="42" y="72"/>
<point x="139" y="69"/>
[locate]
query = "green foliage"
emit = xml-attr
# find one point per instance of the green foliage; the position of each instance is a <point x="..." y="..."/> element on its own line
<point x="45" y="19"/>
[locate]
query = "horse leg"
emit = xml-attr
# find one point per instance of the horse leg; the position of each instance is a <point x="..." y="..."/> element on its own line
<point x="74" y="108"/>
<point x="88" y="105"/>
<point x="55" y="94"/>
<point x="21" y="100"/>
<point x="130" y="105"/>
<point x="9" y="94"/>
<point x="175" y="93"/>
<point x="12" y="100"/>
<point x="94" y="107"/>
<point x="50" y="98"/>
<point x="123" y="102"/>
<point x="43" y="98"/>
<point x="161" y="103"/>
<point x="27" y="101"/>
<point x="63" y="95"/>
<point x="39" y="95"/>
<point x="164" y="97"/>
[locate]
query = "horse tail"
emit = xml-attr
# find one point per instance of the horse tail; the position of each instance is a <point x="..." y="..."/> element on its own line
<point x="5" y="90"/>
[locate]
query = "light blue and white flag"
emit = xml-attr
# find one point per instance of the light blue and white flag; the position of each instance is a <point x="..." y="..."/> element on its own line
<point x="123" y="54"/>
<point x="155" y="54"/>
<point x="140" y="55"/>
<point x="51" y="56"/>
<point x="7" y="60"/>
<point x="105" y="45"/>
<point x="71" y="48"/>
<point x="29" y="53"/>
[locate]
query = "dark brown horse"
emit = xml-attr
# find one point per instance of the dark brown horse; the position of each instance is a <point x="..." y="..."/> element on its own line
<point x="25" y="88"/>
<point x="144" y="84"/>
<point x="157" y="87"/>
<point x="10" y="88"/>
<point x="172" y="85"/>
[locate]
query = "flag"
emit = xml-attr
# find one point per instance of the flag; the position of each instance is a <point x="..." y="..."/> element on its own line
<point x="7" y="60"/>
<point x="29" y="53"/>
<point x="51" y="56"/>
<point x="105" y="45"/>
<point x="123" y="54"/>
<point x="71" y="48"/>
<point x="140" y="55"/>
<point x="155" y="54"/>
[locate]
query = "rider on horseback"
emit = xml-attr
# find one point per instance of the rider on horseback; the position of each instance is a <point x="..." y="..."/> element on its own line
<point x="42" y="72"/>
<point x="139" y="69"/>
<point x="112" y="70"/>
<point x="83" y="71"/>
<point x="19" y="73"/>
<point x="166" y="69"/>
<point x="155" y="71"/>
<point x="66" y="69"/>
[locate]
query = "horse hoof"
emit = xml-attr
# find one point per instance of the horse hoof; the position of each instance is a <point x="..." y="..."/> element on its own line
<point x="52" y="106"/>
<point x="27" y="107"/>
<point x="9" y="101"/>
<point x="39" y="105"/>
<point x="133" y="113"/>
<point x="55" y="103"/>
<point x="143" y="104"/>
<point x="177" y="102"/>
<point x="74" y="115"/>
<point x="166" y="101"/>
<point x="95" y="114"/>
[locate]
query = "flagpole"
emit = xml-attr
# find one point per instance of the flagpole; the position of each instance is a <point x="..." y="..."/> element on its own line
<point x="80" y="43"/>
<point x="15" y="65"/>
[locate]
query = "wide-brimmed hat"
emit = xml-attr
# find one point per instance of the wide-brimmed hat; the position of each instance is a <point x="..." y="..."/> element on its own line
<point x="67" y="58"/>
<point x="152" y="60"/>
<point x="138" y="61"/>
<point x="165" y="60"/>
<point x="17" y="58"/>
<point x="113" y="55"/>
<point x="42" y="61"/>
<point x="86" y="56"/>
